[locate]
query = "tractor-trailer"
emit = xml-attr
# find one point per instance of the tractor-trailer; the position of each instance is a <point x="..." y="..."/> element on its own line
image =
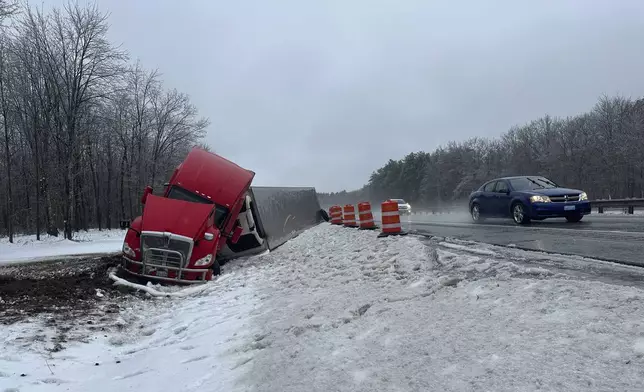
<point x="208" y="214"/>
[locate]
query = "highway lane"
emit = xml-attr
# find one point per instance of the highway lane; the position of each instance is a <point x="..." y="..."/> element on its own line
<point x="611" y="237"/>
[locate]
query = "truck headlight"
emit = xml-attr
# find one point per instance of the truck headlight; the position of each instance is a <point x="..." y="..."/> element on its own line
<point x="539" y="199"/>
<point x="203" y="261"/>
<point x="128" y="251"/>
<point x="583" y="196"/>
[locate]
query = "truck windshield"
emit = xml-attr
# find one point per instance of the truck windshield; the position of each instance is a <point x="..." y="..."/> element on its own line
<point x="178" y="193"/>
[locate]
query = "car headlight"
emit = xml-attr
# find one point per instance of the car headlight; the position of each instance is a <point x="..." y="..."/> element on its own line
<point x="583" y="196"/>
<point x="539" y="199"/>
<point x="128" y="251"/>
<point x="203" y="261"/>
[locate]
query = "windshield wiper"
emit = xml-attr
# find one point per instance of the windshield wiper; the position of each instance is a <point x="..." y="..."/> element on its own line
<point x="548" y="182"/>
<point x="534" y="182"/>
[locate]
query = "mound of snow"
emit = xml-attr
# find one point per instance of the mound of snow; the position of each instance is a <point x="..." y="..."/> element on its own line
<point x="340" y="309"/>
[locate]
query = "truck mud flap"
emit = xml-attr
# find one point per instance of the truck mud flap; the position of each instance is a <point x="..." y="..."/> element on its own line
<point x="284" y="212"/>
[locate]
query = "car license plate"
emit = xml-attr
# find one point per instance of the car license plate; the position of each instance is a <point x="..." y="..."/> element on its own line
<point x="569" y="208"/>
<point x="162" y="274"/>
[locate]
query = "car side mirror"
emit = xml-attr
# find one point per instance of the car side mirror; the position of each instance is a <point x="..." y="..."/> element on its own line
<point x="146" y="192"/>
<point x="236" y="234"/>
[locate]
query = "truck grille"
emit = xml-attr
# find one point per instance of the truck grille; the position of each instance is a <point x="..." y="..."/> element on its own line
<point x="165" y="251"/>
<point x="564" y="198"/>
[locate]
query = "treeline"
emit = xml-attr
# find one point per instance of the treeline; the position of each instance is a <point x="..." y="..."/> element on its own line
<point x="83" y="129"/>
<point x="601" y="152"/>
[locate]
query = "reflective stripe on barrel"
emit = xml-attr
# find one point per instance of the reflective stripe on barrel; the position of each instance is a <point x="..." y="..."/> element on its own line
<point x="365" y="215"/>
<point x="390" y="217"/>
<point x="349" y="218"/>
<point x="336" y="215"/>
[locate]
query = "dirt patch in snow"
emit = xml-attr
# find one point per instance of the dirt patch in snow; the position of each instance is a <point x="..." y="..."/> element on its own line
<point x="63" y="289"/>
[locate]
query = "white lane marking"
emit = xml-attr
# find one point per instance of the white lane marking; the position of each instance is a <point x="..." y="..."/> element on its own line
<point x="472" y="225"/>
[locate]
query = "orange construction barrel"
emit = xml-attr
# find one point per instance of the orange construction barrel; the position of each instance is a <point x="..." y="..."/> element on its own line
<point x="335" y="212"/>
<point x="390" y="219"/>
<point x="365" y="216"/>
<point x="349" y="219"/>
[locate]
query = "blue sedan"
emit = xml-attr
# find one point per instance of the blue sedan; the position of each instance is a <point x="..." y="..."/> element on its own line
<point x="527" y="198"/>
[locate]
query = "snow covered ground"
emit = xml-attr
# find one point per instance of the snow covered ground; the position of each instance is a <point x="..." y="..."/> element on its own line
<point x="339" y="309"/>
<point x="26" y="248"/>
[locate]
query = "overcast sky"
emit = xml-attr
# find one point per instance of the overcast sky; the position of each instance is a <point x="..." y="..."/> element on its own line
<point x="322" y="93"/>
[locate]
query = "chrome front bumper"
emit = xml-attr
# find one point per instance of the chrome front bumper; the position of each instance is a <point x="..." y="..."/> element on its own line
<point x="165" y="273"/>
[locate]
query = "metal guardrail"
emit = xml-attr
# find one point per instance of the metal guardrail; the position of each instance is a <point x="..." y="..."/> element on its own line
<point x="628" y="204"/>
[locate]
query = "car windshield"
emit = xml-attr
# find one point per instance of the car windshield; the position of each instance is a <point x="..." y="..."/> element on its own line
<point x="399" y="201"/>
<point x="531" y="183"/>
<point x="179" y="193"/>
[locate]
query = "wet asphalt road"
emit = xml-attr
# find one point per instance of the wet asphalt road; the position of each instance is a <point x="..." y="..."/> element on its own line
<point x="608" y="237"/>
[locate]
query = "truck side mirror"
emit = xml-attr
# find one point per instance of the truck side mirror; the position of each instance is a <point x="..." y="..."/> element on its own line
<point x="236" y="234"/>
<point x="146" y="192"/>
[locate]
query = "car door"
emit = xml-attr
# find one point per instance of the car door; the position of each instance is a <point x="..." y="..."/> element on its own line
<point x="502" y="198"/>
<point x="487" y="200"/>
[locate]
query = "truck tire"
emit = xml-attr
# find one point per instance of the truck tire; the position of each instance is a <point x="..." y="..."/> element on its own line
<point x="324" y="214"/>
<point x="216" y="267"/>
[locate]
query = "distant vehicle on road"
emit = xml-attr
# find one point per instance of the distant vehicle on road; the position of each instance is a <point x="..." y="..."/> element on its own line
<point x="526" y="198"/>
<point x="403" y="207"/>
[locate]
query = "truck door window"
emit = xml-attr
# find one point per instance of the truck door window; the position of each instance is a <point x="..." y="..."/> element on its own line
<point x="220" y="216"/>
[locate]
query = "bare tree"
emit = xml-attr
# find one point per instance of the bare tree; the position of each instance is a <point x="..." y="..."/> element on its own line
<point x="80" y="126"/>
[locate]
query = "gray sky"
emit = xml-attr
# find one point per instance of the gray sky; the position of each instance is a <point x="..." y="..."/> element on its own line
<point x="322" y="93"/>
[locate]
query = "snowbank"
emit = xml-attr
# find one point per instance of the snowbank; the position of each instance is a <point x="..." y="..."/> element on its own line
<point x="339" y="309"/>
<point x="26" y="248"/>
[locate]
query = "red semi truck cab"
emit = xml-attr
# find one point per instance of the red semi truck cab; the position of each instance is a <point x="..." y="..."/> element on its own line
<point x="179" y="234"/>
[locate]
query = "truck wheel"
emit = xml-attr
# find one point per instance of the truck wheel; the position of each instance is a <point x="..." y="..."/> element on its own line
<point x="574" y="218"/>
<point x="216" y="267"/>
<point x="324" y="215"/>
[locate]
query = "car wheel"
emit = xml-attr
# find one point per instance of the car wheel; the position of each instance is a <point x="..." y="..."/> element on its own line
<point x="519" y="215"/>
<point x="574" y="218"/>
<point x="475" y="211"/>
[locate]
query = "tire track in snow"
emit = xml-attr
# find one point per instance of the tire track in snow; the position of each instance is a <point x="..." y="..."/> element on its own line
<point x="569" y="266"/>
